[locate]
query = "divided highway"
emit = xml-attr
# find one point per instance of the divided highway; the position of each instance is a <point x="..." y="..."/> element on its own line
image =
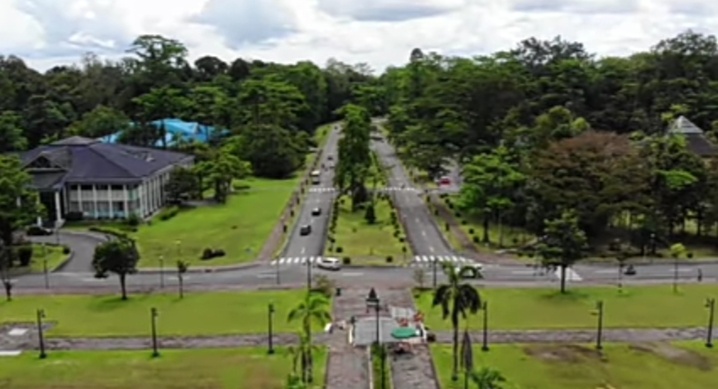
<point x="421" y="230"/>
<point x="302" y="248"/>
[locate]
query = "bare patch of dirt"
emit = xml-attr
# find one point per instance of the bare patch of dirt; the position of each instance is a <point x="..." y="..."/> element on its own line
<point x="563" y="353"/>
<point x="675" y="355"/>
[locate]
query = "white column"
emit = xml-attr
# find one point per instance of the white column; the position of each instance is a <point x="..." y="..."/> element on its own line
<point x="109" y="196"/>
<point x="94" y="199"/>
<point x="79" y="198"/>
<point x="126" y="199"/>
<point x="58" y="208"/>
<point x="155" y="191"/>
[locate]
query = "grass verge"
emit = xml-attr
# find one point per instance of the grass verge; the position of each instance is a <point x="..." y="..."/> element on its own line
<point x="176" y="369"/>
<point x="40" y="253"/>
<point x="196" y="314"/>
<point x="636" y="307"/>
<point x="637" y="366"/>
<point x="240" y="227"/>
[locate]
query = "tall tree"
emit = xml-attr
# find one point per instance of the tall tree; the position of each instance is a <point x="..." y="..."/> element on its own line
<point x="119" y="256"/>
<point x="456" y="299"/>
<point x="563" y="244"/>
<point x="19" y="204"/>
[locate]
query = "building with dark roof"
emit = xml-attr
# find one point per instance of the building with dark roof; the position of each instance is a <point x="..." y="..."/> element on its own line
<point x="696" y="140"/>
<point x="100" y="180"/>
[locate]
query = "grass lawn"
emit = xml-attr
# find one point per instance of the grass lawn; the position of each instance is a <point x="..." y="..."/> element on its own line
<point x="175" y="369"/>
<point x="196" y="314"/>
<point x="363" y="242"/>
<point x="640" y="366"/>
<point x="639" y="307"/>
<point x="53" y="255"/>
<point x="239" y="227"/>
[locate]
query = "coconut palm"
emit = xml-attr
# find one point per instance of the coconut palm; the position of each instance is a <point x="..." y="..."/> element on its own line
<point x="301" y="355"/>
<point x="314" y="309"/>
<point x="456" y="299"/>
<point x="487" y="378"/>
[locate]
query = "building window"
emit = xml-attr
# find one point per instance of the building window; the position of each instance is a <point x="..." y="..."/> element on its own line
<point x="116" y="187"/>
<point x="88" y="207"/>
<point x="118" y="206"/>
<point x="74" y="187"/>
<point x="86" y="187"/>
<point x="102" y="187"/>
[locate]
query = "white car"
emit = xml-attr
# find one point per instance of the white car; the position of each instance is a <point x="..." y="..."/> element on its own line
<point x="470" y="270"/>
<point x="329" y="263"/>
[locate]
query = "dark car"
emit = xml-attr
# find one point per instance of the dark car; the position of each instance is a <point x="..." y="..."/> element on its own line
<point x="316" y="211"/>
<point x="305" y="229"/>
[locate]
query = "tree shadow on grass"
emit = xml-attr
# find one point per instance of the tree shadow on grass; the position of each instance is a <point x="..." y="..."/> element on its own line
<point x="113" y="303"/>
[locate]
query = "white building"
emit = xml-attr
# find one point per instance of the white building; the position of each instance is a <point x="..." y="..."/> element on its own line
<point x="100" y="181"/>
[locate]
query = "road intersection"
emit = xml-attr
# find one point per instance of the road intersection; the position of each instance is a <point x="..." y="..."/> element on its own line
<point x="427" y="243"/>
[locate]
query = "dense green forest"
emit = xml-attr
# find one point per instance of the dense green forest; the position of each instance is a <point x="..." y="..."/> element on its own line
<point x="544" y="130"/>
<point x="548" y="129"/>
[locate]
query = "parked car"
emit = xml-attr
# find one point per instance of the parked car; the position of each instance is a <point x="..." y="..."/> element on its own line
<point x="316" y="211"/>
<point x="445" y="181"/>
<point x="329" y="263"/>
<point x="305" y="229"/>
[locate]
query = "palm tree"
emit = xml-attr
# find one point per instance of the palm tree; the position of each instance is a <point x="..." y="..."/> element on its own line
<point x="456" y="299"/>
<point x="301" y="356"/>
<point x="487" y="378"/>
<point x="313" y="309"/>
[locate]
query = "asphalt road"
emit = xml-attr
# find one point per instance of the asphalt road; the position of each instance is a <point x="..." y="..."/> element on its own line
<point x="270" y="276"/>
<point x="422" y="232"/>
<point x="320" y="196"/>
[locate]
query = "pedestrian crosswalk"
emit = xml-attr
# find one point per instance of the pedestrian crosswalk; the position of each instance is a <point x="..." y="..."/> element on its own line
<point x="295" y="260"/>
<point x="387" y="189"/>
<point x="429" y="260"/>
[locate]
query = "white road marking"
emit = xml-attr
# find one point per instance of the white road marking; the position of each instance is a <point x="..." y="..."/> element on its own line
<point x="571" y="275"/>
<point x="431" y="249"/>
<point x="607" y="271"/>
<point x="266" y="276"/>
<point x="423" y="233"/>
<point x="523" y="272"/>
<point x="355" y="274"/>
<point x="303" y="250"/>
<point x="417" y="220"/>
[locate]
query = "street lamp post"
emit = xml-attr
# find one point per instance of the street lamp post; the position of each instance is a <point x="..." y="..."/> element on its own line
<point x="44" y="266"/>
<point x="433" y="265"/>
<point x="153" y="318"/>
<point x="277" y="271"/>
<point x="270" y="316"/>
<point x="162" y="271"/>
<point x="485" y="340"/>
<point x="40" y="334"/>
<point x="373" y="301"/>
<point x="711" y="305"/>
<point x="309" y="274"/>
<point x="599" y="329"/>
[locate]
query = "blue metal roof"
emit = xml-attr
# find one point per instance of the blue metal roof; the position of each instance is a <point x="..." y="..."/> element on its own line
<point x="178" y="129"/>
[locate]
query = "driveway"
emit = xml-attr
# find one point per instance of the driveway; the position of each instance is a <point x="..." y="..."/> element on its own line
<point x="82" y="245"/>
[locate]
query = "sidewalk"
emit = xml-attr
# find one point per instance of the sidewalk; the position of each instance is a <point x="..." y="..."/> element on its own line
<point x="336" y="341"/>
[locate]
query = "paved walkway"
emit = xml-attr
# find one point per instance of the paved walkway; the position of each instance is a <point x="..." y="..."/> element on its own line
<point x="337" y="341"/>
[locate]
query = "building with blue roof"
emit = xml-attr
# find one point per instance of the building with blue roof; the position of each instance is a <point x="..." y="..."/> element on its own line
<point x="177" y="129"/>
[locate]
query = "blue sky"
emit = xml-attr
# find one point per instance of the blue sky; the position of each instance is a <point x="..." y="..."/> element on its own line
<point x="379" y="32"/>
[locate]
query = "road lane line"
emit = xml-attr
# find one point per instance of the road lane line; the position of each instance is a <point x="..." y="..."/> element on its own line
<point x="431" y="248"/>
<point x="303" y="250"/>
<point x="423" y="233"/>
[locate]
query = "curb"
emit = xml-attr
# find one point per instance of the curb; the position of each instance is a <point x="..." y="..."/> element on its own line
<point x="202" y="269"/>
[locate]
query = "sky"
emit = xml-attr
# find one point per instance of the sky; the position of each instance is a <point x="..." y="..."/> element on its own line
<point x="378" y="32"/>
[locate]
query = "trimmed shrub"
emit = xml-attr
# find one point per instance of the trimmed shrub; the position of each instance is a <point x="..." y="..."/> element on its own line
<point x="239" y="186"/>
<point x="339" y="249"/>
<point x="133" y="220"/>
<point x="389" y="259"/>
<point x="38" y="231"/>
<point x="347" y="261"/>
<point x="471" y="231"/>
<point x="168" y="213"/>
<point x="475" y="239"/>
<point x="74" y="216"/>
<point x="66" y="250"/>
<point x="24" y="255"/>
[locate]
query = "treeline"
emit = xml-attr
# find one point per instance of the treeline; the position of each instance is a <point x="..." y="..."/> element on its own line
<point x="273" y="108"/>
<point x="548" y="128"/>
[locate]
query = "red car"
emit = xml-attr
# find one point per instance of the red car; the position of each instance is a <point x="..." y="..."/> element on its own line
<point x="445" y="181"/>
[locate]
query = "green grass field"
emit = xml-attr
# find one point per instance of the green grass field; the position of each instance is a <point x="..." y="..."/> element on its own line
<point x="240" y="227"/>
<point x="175" y="369"/>
<point x="363" y="242"/>
<point x="196" y="314"/>
<point x="639" y="307"/>
<point x="40" y="253"/>
<point x="620" y="366"/>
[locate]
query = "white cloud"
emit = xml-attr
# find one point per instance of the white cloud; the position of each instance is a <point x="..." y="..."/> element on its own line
<point x="50" y="31"/>
<point x="389" y="10"/>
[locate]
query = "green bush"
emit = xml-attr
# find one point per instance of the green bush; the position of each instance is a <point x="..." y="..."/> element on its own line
<point x="66" y="250"/>
<point x="24" y="255"/>
<point x="475" y="239"/>
<point x="133" y="220"/>
<point x="339" y="249"/>
<point x="389" y="259"/>
<point x="240" y="186"/>
<point x="74" y="216"/>
<point x="347" y="261"/>
<point x="471" y="231"/>
<point x="168" y="213"/>
<point x="108" y="231"/>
